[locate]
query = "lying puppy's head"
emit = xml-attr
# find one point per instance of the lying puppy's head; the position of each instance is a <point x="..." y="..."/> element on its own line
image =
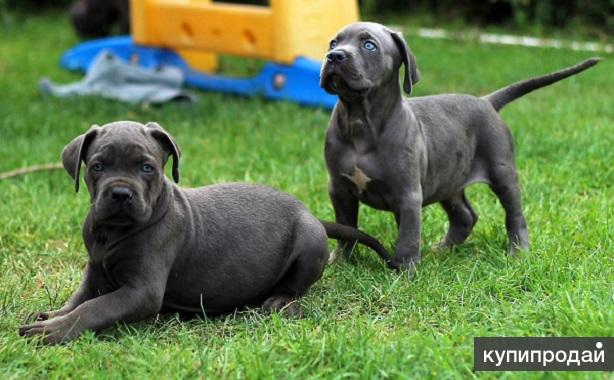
<point x="364" y="56"/>
<point x="124" y="169"/>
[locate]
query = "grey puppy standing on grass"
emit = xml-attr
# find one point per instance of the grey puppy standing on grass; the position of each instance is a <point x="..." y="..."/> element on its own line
<point x="398" y="154"/>
<point x="153" y="245"/>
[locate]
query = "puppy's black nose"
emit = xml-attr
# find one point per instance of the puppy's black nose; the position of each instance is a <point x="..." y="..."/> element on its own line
<point x="121" y="194"/>
<point x="336" y="56"/>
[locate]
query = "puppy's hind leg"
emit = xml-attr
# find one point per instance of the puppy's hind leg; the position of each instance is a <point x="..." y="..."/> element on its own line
<point x="505" y="184"/>
<point x="310" y="255"/>
<point x="462" y="218"/>
<point x="294" y="284"/>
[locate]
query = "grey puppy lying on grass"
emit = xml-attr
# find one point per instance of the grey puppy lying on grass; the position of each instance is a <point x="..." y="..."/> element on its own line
<point x="153" y="245"/>
<point x="398" y="154"/>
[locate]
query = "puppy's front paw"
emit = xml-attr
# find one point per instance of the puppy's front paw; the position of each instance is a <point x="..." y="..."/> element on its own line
<point x="407" y="266"/>
<point x="515" y="251"/>
<point x="52" y="331"/>
<point x="41" y="316"/>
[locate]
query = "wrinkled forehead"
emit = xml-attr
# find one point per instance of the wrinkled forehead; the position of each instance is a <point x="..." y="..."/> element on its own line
<point x="119" y="142"/>
<point x="364" y="30"/>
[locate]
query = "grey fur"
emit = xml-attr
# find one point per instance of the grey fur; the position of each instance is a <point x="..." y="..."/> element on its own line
<point x="399" y="155"/>
<point x="153" y="245"/>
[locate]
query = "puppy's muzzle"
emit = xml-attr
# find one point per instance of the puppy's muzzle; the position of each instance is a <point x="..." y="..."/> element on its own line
<point x="121" y="194"/>
<point x="336" y="56"/>
<point x="120" y="203"/>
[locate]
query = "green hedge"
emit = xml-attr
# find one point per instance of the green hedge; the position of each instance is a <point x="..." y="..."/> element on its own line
<point x="32" y="5"/>
<point x="596" y="14"/>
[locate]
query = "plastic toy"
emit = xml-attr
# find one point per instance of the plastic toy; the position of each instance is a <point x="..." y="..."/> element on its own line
<point x="292" y="34"/>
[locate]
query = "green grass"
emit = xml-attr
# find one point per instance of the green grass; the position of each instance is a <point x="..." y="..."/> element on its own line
<point x="361" y="320"/>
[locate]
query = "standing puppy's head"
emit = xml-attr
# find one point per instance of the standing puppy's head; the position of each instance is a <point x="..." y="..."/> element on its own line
<point x="364" y="56"/>
<point x="124" y="169"/>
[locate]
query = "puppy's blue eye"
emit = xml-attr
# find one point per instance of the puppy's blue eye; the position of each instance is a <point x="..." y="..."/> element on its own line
<point x="369" y="45"/>
<point x="146" y="168"/>
<point x="98" y="167"/>
<point x="333" y="44"/>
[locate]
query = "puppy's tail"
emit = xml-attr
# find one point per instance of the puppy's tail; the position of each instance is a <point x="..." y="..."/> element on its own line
<point x="501" y="97"/>
<point x="343" y="232"/>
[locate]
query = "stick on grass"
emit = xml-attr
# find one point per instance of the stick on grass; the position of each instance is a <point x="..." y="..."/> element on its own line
<point x="31" y="169"/>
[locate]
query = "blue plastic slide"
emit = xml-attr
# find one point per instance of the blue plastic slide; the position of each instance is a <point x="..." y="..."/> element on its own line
<point x="298" y="82"/>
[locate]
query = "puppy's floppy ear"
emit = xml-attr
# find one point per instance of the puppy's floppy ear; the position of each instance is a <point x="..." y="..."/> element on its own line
<point x="75" y="152"/>
<point x="168" y="143"/>
<point x="412" y="75"/>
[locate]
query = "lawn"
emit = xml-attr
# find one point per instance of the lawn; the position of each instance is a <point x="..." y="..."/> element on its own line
<point x="361" y="320"/>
